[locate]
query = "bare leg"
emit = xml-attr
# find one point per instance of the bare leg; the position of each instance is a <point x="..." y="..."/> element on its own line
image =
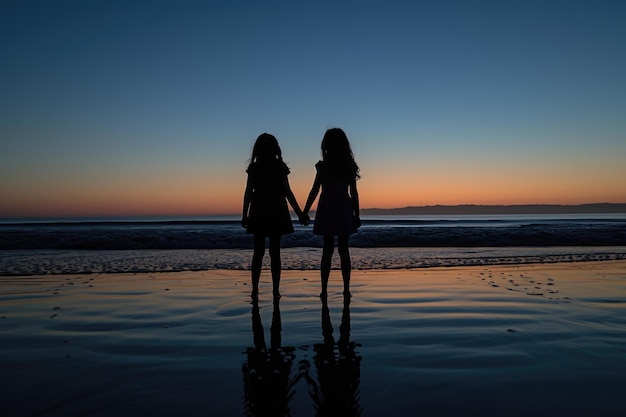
<point x="346" y="264"/>
<point x="276" y="264"/>
<point x="257" y="263"/>
<point x="327" y="256"/>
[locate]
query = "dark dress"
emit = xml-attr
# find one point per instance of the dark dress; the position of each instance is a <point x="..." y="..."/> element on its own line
<point x="269" y="214"/>
<point x="333" y="216"/>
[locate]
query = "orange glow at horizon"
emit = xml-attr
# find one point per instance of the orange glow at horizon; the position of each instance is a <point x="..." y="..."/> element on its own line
<point x="219" y="190"/>
<point x="220" y="198"/>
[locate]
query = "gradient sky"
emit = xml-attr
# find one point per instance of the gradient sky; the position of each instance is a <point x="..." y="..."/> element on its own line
<point x="152" y="107"/>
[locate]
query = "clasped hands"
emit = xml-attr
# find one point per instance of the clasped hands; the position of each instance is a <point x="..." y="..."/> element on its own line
<point x="304" y="219"/>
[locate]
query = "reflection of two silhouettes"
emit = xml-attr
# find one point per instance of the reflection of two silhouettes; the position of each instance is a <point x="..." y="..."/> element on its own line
<point x="269" y="385"/>
<point x="338" y="366"/>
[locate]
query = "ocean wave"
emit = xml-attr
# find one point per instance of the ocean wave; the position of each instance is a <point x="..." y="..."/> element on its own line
<point x="229" y="235"/>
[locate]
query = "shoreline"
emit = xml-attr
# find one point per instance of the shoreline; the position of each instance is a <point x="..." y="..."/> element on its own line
<point x="76" y="262"/>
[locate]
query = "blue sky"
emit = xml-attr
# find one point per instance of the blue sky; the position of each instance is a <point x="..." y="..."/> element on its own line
<point x="152" y="107"/>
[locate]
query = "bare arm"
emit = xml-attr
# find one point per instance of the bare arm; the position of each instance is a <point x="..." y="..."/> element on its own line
<point x="291" y="198"/>
<point x="247" y="196"/>
<point x="313" y="194"/>
<point x="354" y="195"/>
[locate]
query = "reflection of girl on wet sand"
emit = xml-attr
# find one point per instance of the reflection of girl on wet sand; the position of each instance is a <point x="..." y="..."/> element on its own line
<point x="338" y="365"/>
<point x="268" y="386"/>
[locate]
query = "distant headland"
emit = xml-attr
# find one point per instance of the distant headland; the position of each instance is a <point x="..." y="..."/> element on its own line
<point x="501" y="209"/>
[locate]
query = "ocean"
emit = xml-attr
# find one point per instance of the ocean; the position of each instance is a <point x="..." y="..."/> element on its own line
<point x="104" y="245"/>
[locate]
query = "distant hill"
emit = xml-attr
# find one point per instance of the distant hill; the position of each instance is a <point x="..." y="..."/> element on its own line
<point x="496" y="209"/>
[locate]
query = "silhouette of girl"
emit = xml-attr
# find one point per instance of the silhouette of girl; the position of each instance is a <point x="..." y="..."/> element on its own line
<point x="265" y="212"/>
<point x="337" y="211"/>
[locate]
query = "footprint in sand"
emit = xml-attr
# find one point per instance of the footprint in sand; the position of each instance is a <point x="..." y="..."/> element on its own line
<point x="531" y="286"/>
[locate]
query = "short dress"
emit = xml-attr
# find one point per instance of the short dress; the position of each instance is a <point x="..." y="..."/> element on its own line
<point x="333" y="216"/>
<point x="269" y="214"/>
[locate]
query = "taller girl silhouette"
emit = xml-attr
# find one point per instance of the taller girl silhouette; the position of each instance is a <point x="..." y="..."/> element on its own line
<point x="337" y="211"/>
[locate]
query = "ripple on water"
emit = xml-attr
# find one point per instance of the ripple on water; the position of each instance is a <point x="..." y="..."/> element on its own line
<point x="234" y="309"/>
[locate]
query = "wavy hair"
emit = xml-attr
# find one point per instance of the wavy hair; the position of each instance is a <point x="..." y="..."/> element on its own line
<point x="337" y="154"/>
<point x="266" y="149"/>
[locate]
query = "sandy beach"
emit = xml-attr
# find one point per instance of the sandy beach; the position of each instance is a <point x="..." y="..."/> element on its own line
<point x="514" y="340"/>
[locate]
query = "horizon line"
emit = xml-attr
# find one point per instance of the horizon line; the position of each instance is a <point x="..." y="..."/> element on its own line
<point x="537" y="208"/>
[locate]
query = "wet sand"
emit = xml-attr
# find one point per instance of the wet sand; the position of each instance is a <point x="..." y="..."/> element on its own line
<point x="515" y="340"/>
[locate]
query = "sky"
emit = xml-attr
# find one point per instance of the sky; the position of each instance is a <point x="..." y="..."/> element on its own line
<point x="131" y="108"/>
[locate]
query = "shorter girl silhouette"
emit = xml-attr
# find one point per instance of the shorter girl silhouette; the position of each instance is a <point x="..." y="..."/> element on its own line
<point x="265" y="212"/>
<point x="337" y="211"/>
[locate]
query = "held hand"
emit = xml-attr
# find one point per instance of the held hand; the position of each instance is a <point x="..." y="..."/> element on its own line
<point x="244" y="222"/>
<point x="304" y="219"/>
<point x="356" y="222"/>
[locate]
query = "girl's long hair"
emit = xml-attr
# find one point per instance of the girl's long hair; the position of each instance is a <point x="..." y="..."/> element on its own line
<point x="266" y="150"/>
<point x="337" y="154"/>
